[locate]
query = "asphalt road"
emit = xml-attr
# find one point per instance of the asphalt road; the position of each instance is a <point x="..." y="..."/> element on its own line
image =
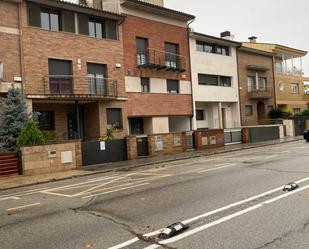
<point x="233" y="201"/>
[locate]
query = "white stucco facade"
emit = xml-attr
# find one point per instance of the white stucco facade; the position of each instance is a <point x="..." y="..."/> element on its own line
<point x="220" y="104"/>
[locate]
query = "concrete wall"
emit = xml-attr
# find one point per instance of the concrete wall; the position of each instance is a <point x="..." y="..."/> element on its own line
<point x="289" y="127"/>
<point x="208" y="63"/>
<point x="39" y="159"/>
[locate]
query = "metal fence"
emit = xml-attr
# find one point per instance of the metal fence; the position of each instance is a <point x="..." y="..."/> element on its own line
<point x="96" y="152"/>
<point x="232" y="136"/>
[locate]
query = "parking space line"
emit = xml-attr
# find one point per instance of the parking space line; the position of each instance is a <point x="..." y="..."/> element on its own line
<point x="10" y="198"/>
<point x="116" y="190"/>
<point x="221" y="166"/>
<point x="23" y="207"/>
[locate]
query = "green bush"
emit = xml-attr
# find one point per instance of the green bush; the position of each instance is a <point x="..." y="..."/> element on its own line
<point x="109" y="134"/>
<point x="30" y="135"/>
<point x="278" y="113"/>
<point x="50" y="135"/>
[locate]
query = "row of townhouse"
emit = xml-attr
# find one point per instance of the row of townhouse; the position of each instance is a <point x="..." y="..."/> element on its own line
<point x="136" y="65"/>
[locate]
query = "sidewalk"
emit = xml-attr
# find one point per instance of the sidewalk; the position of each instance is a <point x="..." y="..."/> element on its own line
<point x="20" y="181"/>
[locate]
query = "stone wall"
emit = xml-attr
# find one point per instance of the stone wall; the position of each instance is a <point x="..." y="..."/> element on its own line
<point x="208" y="139"/>
<point x="166" y="144"/>
<point x="51" y="158"/>
<point x="158" y="145"/>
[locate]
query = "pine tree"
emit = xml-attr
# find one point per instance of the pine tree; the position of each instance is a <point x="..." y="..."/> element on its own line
<point x="30" y="135"/>
<point x="13" y="116"/>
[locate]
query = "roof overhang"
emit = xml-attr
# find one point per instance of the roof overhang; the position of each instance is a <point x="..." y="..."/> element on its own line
<point x="213" y="39"/>
<point x="159" y="10"/>
<point x="289" y="52"/>
<point x="79" y="8"/>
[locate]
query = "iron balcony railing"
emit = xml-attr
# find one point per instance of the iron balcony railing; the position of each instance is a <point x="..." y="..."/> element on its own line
<point x="260" y="93"/>
<point x="161" y="60"/>
<point x="68" y="86"/>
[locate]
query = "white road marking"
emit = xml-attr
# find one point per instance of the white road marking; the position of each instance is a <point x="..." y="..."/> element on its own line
<point x="188" y="221"/>
<point x="302" y="147"/>
<point x="102" y="178"/>
<point x="226" y="218"/>
<point x="23" y="193"/>
<point x="10" y="198"/>
<point x="221" y="166"/>
<point x="273" y="156"/>
<point x="116" y="190"/>
<point x="22" y="207"/>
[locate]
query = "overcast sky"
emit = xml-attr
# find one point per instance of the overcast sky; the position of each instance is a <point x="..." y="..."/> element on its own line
<point x="284" y="22"/>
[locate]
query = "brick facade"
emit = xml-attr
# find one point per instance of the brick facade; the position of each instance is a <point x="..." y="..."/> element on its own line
<point x="159" y="33"/>
<point x="257" y="60"/>
<point x="159" y="104"/>
<point x="285" y="98"/>
<point x="9" y="40"/>
<point x="40" y="45"/>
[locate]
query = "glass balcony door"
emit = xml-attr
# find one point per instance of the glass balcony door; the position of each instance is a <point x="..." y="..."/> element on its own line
<point x="96" y="79"/>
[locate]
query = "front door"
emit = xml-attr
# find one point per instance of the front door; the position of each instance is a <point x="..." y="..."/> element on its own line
<point x="142" y="146"/>
<point x="75" y="130"/>
<point x="261" y="111"/>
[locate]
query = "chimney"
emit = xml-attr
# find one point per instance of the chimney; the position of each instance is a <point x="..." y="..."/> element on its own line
<point x="97" y="4"/>
<point x="252" y="39"/>
<point x="227" y="35"/>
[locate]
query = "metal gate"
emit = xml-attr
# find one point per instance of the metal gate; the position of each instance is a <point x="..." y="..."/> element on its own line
<point x="142" y="146"/>
<point x="190" y="140"/>
<point x="96" y="152"/>
<point x="9" y="163"/>
<point x="232" y="136"/>
<point x="300" y="125"/>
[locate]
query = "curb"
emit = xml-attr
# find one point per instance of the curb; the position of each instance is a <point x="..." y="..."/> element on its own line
<point x="151" y="163"/>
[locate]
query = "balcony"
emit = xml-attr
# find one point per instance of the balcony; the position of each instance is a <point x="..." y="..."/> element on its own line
<point x="161" y="60"/>
<point x="260" y="93"/>
<point x="76" y="88"/>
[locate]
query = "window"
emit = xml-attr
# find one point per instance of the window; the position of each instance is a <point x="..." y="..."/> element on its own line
<point x="114" y="117"/>
<point x="111" y="29"/>
<point x="96" y="78"/>
<point x="141" y="51"/>
<point x="95" y="28"/>
<point x="248" y="110"/>
<point x="214" y="80"/>
<point x="262" y="83"/>
<point x="171" y="57"/>
<point x="278" y="67"/>
<point x="199" y="115"/>
<point x="50" y="19"/>
<point x="60" y="76"/>
<point x="251" y="83"/>
<point x="46" y="120"/>
<point x="136" y="126"/>
<point x="145" y="85"/>
<point x="281" y="86"/>
<point x="212" y="48"/>
<point x="172" y="86"/>
<point x="225" y="81"/>
<point x="294" y="88"/>
<point x="1" y="71"/>
<point x="296" y="111"/>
